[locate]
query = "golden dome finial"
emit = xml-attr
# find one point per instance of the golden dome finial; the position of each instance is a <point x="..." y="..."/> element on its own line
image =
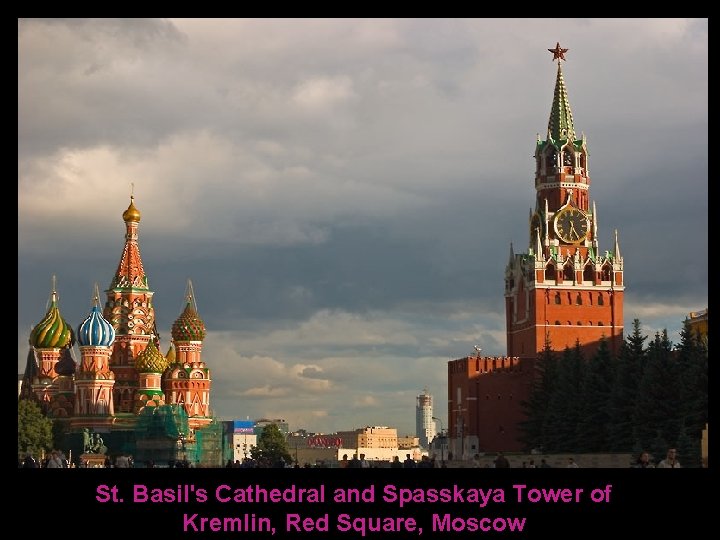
<point x="132" y="213"/>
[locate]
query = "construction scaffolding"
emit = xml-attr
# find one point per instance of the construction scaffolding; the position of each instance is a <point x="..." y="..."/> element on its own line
<point x="160" y="435"/>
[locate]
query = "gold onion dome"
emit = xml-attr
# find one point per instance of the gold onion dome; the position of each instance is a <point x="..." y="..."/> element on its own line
<point x="132" y="213"/>
<point x="188" y="326"/>
<point x="53" y="331"/>
<point x="151" y="360"/>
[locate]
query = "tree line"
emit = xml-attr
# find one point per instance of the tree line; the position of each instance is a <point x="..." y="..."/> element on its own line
<point x="648" y="397"/>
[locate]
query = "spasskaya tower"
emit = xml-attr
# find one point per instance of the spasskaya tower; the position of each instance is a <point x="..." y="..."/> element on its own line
<point x="564" y="289"/>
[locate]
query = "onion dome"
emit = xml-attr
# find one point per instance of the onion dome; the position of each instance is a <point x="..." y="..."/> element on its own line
<point x="66" y="365"/>
<point x="53" y="331"/>
<point x="188" y="326"/>
<point x="151" y="360"/>
<point x="95" y="331"/>
<point x="171" y="355"/>
<point x="132" y="213"/>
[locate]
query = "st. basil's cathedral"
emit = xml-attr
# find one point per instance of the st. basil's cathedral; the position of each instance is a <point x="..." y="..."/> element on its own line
<point x="122" y="376"/>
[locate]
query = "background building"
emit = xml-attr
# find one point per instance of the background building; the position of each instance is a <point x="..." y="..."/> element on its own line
<point x="424" y="424"/>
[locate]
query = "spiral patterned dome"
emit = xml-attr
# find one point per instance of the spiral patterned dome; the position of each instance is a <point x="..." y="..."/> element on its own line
<point x="53" y="331"/>
<point x="95" y="331"/>
<point x="132" y="213"/>
<point x="151" y="360"/>
<point x="188" y="326"/>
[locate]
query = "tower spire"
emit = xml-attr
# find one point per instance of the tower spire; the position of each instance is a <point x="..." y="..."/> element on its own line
<point x="190" y="295"/>
<point x="130" y="273"/>
<point x="560" y="125"/>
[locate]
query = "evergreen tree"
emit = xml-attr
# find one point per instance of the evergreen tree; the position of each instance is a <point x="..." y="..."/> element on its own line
<point x="34" y="428"/>
<point x="657" y="416"/>
<point x="271" y="447"/>
<point x="629" y="367"/>
<point x="594" y="419"/>
<point x="692" y="358"/>
<point x="563" y="414"/>
<point x="536" y="407"/>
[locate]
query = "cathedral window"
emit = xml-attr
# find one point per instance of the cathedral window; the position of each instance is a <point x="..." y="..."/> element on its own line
<point x="578" y="299"/>
<point x="588" y="274"/>
<point x="557" y="298"/>
<point x="600" y="323"/>
<point x="557" y="323"/>
<point x="601" y="300"/>
<point x="567" y="158"/>
<point x="568" y="273"/>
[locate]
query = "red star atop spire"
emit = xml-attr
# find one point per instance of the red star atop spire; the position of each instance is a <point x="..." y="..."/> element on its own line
<point x="558" y="52"/>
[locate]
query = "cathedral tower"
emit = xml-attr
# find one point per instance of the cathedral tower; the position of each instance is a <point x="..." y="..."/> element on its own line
<point x="94" y="381"/>
<point x="187" y="380"/>
<point x="48" y="338"/>
<point x="129" y="308"/>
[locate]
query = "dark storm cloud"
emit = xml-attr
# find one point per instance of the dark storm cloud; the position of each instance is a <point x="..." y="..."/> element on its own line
<point x="343" y="193"/>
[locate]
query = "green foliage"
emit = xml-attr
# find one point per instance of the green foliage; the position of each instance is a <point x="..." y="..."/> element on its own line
<point x="563" y="413"/>
<point x="536" y="407"/>
<point x="692" y="357"/>
<point x="630" y="364"/>
<point x="594" y="421"/>
<point x="649" y="398"/>
<point x="271" y="446"/>
<point x="657" y="407"/>
<point x="34" y="428"/>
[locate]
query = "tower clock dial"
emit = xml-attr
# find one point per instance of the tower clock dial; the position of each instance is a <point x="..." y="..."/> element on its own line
<point x="571" y="225"/>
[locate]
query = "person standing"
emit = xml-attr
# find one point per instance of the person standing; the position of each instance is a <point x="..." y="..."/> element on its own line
<point x="30" y="462"/>
<point x="643" y="461"/>
<point x="671" y="461"/>
<point x="571" y="464"/>
<point x="501" y="462"/>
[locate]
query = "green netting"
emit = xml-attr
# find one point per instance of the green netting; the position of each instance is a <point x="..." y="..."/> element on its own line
<point x="160" y="435"/>
<point x="208" y="451"/>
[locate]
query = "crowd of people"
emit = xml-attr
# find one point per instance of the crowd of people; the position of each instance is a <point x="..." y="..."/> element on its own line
<point x="56" y="459"/>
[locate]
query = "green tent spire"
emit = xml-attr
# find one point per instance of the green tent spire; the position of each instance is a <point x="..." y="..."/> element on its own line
<point x="560" y="125"/>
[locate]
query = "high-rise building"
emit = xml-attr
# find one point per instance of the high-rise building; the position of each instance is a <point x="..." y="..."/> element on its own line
<point x="424" y="424"/>
<point x="564" y="290"/>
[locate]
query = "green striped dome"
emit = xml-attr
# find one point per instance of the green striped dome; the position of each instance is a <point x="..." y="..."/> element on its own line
<point x="188" y="326"/>
<point x="151" y="360"/>
<point x="53" y="331"/>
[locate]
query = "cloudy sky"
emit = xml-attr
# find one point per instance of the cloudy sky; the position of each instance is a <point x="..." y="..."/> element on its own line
<point x="343" y="193"/>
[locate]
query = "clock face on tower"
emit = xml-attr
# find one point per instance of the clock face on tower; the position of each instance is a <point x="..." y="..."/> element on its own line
<point x="571" y="225"/>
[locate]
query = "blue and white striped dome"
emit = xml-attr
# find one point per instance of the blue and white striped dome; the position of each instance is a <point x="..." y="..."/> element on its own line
<point x="95" y="331"/>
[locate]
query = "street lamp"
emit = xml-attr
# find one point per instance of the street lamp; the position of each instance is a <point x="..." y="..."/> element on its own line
<point x="442" y="440"/>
